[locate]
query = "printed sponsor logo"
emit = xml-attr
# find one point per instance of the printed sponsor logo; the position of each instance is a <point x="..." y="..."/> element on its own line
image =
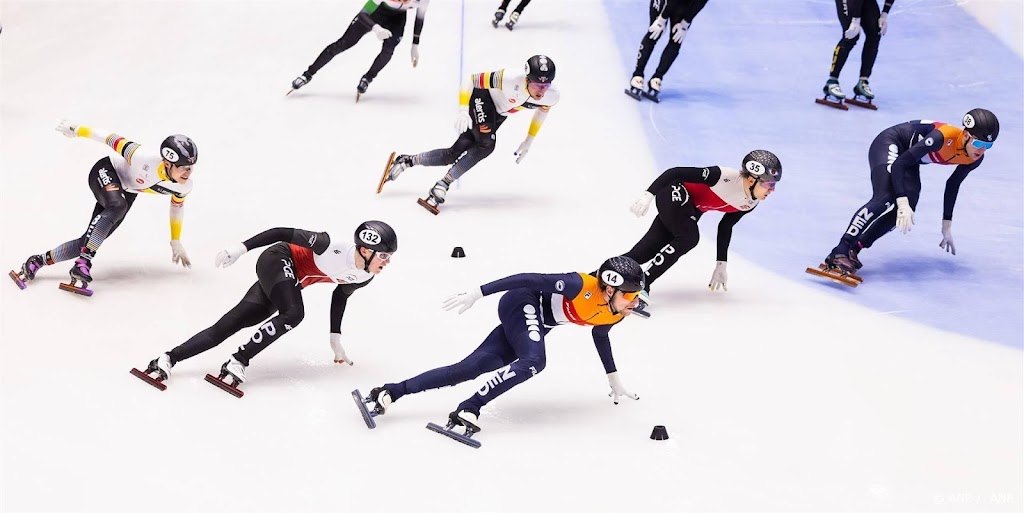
<point x="258" y="336"/>
<point x="287" y="268"/>
<point x="559" y="285"/>
<point x="949" y="142"/>
<point x="894" y="152"/>
<point x="532" y="323"/>
<point x="369" y="236"/>
<point x="478" y="108"/>
<point x="111" y="188"/>
<point x="287" y="327"/>
<point x="660" y="257"/>
<point x="104" y="177"/>
<point x="677" y="193"/>
<point x="140" y="181"/>
<point x="860" y="220"/>
<point x="337" y="252"/>
<point x="312" y="239"/>
<point x="500" y="376"/>
<point x="929" y="141"/>
<point x="587" y="295"/>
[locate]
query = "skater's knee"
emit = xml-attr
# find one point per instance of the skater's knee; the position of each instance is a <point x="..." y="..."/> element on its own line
<point x="849" y="43"/>
<point x="534" y="365"/>
<point x="293" y="315"/>
<point x="388" y="48"/>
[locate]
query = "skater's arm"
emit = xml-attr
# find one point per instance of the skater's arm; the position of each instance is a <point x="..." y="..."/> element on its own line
<point x="725" y="232"/>
<point x="910" y="160"/>
<point x="569" y="285"/>
<point x="177" y="215"/>
<point x="887" y="6"/>
<point x="121" y="145"/>
<point x="417" y="27"/>
<point x="953" y="187"/>
<point x="339" y="300"/>
<point x="706" y="175"/>
<point x="318" y="241"/>
<point x="604" y="346"/>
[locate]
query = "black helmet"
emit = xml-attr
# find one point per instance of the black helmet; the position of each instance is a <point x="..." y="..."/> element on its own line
<point x="179" y="150"/>
<point x="540" y="68"/>
<point x="982" y="124"/>
<point x="623" y="273"/>
<point x="763" y="165"/>
<point x="376" y="236"/>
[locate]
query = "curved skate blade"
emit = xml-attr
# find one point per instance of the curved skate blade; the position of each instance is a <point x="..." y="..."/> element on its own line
<point x="148" y="379"/>
<point x="635" y="94"/>
<point x="363" y="410"/>
<point x="866" y="104"/>
<point x="834" y="104"/>
<point x="453" y="435"/>
<point x="17" y="280"/>
<point x="71" y="287"/>
<point x="851" y="280"/>
<point x="387" y="169"/>
<point x="224" y="386"/>
<point x="432" y="209"/>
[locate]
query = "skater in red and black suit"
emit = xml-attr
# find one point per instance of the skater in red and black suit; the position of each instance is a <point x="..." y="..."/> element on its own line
<point x="683" y="195"/>
<point x="853" y="16"/>
<point x="895" y="158"/>
<point x="296" y="259"/>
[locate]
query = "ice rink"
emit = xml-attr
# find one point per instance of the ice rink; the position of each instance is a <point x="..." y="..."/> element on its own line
<point x="782" y="394"/>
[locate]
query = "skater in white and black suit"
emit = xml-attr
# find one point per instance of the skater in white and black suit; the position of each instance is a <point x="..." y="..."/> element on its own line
<point x="683" y="195"/>
<point x="295" y="259"/>
<point x="386" y="19"/>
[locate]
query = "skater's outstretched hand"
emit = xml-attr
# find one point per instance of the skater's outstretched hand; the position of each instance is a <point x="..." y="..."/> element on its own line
<point x="339" y="352"/>
<point x="463" y="300"/>
<point x="415" y="53"/>
<point x="853" y="30"/>
<point x="618" y="390"/>
<point x="462" y="120"/>
<point x="67" y="129"/>
<point x="719" y="277"/>
<point x="524" y="147"/>
<point x="679" y="31"/>
<point x="178" y="254"/>
<point x="947" y="237"/>
<point x="641" y="204"/>
<point x="904" y="214"/>
<point x="657" y="27"/>
<point x="381" y="32"/>
<point x="229" y="255"/>
<point x="883" y="23"/>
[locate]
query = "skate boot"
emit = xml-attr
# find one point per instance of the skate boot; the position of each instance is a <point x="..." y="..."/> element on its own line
<point x="641" y="308"/>
<point x="862" y="95"/>
<point x="380" y="398"/>
<point x="498" y="16"/>
<point x="299" y="81"/>
<point x="854" y="260"/>
<point x="653" y="90"/>
<point x="394" y="167"/>
<point x="435" y="198"/>
<point x="364" y="84"/>
<point x="840" y="262"/>
<point x="157" y="372"/>
<point x="80" y="273"/>
<point x="232" y="374"/>
<point x="636" y="87"/>
<point x="28" y="271"/>
<point x="834" y="95"/>
<point x="460" y="418"/>
<point x="512" y="20"/>
<point x="465" y="418"/>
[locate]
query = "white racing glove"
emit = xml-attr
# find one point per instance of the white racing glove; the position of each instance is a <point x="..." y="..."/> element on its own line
<point x="381" y="32"/>
<point x="641" y="204"/>
<point x="904" y="214"/>
<point x="657" y="27"/>
<point x="229" y="255"/>
<point x="67" y="129"/>
<point x="947" y="237"/>
<point x="719" y="277"/>
<point x="339" y="352"/>
<point x="178" y="254"/>
<point x="679" y="31"/>
<point x="415" y="53"/>
<point x="618" y="390"/>
<point x="463" y="300"/>
<point x="462" y="120"/>
<point x="854" y="29"/>
<point x="883" y="23"/>
<point x="524" y="147"/>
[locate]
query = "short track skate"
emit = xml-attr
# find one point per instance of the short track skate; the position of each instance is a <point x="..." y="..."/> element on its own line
<point x="864" y="103"/>
<point x="831" y="101"/>
<point x="219" y="382"/>
<point x="367" y="413"/>
<point x="74" y="287"/>
<point x="432" y="208"/>
<point x="18" y="279"/>
<point x="836" y="275"/>
<point x="387" y="172"/>
<point x="634" y="93"/>
<point x="156" y="382"/>
<point x="450" y="431"/>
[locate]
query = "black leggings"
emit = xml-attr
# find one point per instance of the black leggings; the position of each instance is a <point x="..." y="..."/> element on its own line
<point x="276" y="290"/>
<point x="668" y="56"/>
<point x="473" y="145"/>
<point x="868" y="15"/>
<point x="673" y="233"/>
<point x="390" y="19"/>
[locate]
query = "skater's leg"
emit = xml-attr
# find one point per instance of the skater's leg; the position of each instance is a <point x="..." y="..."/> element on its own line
<point x="646" y="43"/>
<point x="872" y="36"/>
<point x="486" y="122"/>
<point x="395" y="22"/>
<point x="842" y="50"/>
<point x="72" y="248"/>
<point x="504" y="5"/>
<point x="109" y="193"/>
<point x="522" y="5"/>
<point x="652" y="242"/>
<point x="275" y="270"/>
<point x="446" y="156"/>
<point x="677" y="213"/>
<point x="358" y="28"/>
<point x="254" y="307"/>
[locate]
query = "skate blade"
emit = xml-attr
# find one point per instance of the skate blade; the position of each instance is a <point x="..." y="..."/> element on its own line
<point x="71" y="287"/>
<point x="432" y="209"/>
<point x="17" y="280"/>
<point x="849" y="280"/>
<point x="358" y="95"/>
<point x="653" y="98"/>
<point x="862" y="103"/>
<point x="495" y="23"/>
<point x="387" y="168"/>
<point x="148" y="379"/>
<point x="834" y="104"/>
<point x="509" y="26"/>
<point x="453" y="435"/>
<point x="224" y="386"/>
<point x="636" y="95"/>
<point x="290" y="91"/>
<point x="854" y="276"/>
<point x="642" y="313"/>
<point x="363" y="410"/>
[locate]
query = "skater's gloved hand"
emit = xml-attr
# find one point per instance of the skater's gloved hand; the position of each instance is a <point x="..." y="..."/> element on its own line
<point x="415" y="52"/>
<point x="904" y="214"/>
<point x="178" y="254"/>
<point x="381" y="32"/>
<point x="463" y="121"/>
<point x="719" y="277"/>
<point x="641" y="204"/>
<point x="229" y="255"/>
<point x="657" y="27"/>
<point x="854" y="29"/>
<point x="618" y="390"/>
<point x="524" y="147"/>
<point x="67" y="129"/>
<point x="339" y="352"/>
<point x="463" y="300"/>
<point x="679" y="31"/>
<point x="883" y="23"/>
<point x="947" y="237"/>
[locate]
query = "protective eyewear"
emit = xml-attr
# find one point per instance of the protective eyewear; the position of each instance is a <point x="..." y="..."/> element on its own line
<point x="630" y="296"/>
<point x="543" y="86"/>
<point x="769" y="185"/>
<point x="978" y="143"/>
<point x="384" y="257"/>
